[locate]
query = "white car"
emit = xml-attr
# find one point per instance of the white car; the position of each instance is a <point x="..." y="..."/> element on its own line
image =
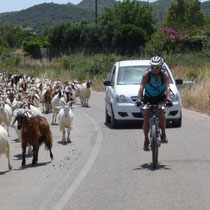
<point x="122" y="90"/>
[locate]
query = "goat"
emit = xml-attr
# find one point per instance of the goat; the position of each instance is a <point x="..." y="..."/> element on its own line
<point x="5" y="114"/>
<point x="65" y="120"/>
<point x="46" y="99"/>
<point x="34" y="131"/>
<point x="5" y="145"/>
<point x="57" y="101"/>
<point x="33" y="111"/>
<point x="85" y="93"/>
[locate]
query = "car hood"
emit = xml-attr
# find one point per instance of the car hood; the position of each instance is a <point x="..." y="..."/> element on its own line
<point x="173" y="88"/>
<point x="127" y="90"/>
<point x="132" y="90"/>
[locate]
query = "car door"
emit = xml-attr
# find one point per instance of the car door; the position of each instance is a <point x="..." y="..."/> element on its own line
<point x="110" y="91"/>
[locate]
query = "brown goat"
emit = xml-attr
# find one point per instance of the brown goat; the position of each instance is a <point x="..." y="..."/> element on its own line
<point x="34" y="131"/>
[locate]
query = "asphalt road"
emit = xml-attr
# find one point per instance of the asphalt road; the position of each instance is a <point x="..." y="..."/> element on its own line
<point x="108" y="169"/>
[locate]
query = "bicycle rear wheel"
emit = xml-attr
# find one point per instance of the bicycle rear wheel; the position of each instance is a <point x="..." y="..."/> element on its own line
<point x="154" y="147"/>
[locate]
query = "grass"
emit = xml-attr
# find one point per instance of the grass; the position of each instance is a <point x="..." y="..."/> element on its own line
<point x="197" y="98"/>
<point x="195" y="66"/>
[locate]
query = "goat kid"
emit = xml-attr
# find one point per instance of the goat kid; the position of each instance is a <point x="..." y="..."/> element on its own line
<point x="85" y="93"/>
<point x="65" y="120"/>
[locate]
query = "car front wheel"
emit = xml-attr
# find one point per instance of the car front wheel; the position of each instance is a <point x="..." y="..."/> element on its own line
<point x="178" y="122"/>
<point x="107" y="117"/>
<point x="114" y="123"/>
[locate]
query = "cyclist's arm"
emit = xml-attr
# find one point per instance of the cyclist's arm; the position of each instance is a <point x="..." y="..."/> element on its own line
<point x="166" y="82"/>
<point x="142" y="85"/>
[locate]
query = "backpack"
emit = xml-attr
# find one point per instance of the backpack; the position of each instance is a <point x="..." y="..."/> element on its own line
<point x="161" y="76"/>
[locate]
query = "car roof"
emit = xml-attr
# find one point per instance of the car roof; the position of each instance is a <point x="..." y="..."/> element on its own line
<point x="134" y="63"/>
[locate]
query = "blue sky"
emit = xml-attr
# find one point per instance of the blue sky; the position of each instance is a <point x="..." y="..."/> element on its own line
<point x="17" y="5"/>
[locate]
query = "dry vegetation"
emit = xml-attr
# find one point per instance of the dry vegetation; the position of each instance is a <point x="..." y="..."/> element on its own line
<point x="197" y="96"/>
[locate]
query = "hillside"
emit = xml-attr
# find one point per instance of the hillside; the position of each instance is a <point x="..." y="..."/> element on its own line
<point x="205" y="6"/>
<point x="47" y="14"/>
<point x="50" y="14"/>
<point x="90" y="4"/>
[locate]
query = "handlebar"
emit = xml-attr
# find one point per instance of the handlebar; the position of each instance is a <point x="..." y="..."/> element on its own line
<point x="167" y="103"/>
<point x="154" y="106"/>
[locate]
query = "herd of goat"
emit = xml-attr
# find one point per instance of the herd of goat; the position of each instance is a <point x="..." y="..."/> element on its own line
<point x="21" y="101"/>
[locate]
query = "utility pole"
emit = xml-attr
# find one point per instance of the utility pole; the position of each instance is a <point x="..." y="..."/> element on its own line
<point x="161" y="17"/>
<point x="96" y="11"/>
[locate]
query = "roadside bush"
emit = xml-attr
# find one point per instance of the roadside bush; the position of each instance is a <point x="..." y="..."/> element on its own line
<point x="170" y="41"/>
<point x="156" y="46"/>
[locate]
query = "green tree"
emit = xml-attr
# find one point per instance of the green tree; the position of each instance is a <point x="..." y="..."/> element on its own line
<point x="183" y="14"/>
<point x="126" y="27"/>
<point x="12" y="36"/>
<point x="90" y="38"/>
<point x="32" y="48"/>
<point x="194" y="15"/>
<point x="128" y="38"/>
<point x="71" y="37"/>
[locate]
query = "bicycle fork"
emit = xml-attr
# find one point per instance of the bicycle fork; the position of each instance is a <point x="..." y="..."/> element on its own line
<point x="154" y="124"/>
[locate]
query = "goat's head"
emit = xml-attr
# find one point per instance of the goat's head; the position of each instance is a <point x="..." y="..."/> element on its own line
<point x="89" y="84"/>
<point x="61" y="93"/>
<point x="22" y="119"/>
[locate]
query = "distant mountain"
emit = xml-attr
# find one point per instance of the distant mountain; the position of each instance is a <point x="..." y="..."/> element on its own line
<point x="90" y="4"/>
<point x="50" y="14"/>
<point x="47" y="14"/>
<point x="205" y="6"/>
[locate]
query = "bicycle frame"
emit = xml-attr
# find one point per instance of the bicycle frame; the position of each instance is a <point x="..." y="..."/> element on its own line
<point x="154" y="130"/>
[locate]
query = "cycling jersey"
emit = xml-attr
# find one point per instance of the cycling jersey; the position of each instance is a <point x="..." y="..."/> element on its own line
<point x="155" y="87"/>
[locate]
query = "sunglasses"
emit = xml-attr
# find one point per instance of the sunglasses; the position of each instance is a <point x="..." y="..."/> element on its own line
<point x="155" y="67"/>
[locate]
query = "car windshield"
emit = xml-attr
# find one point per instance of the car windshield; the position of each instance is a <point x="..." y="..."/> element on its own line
<point x="130" y="75"/>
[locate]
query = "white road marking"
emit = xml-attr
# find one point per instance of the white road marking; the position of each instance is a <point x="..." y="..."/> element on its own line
<point x="73" y="187"/>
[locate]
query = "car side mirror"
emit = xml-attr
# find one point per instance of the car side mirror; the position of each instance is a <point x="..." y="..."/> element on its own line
<point x="179" y="81"/>
<point x="107" y="83"/>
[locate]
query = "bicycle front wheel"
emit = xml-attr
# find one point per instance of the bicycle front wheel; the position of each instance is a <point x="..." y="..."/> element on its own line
<point x="154" y="147"/>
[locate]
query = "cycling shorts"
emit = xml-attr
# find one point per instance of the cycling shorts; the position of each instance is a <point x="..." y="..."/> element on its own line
<point x="154" y="100"/>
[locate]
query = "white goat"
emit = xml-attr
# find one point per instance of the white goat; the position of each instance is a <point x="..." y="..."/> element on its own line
<point x="85" y="93"/>
<point x="57" y="101"/>
<point x="65" y="120"/>
<point x="5" y="145"/>
<point x="5" y="114"/>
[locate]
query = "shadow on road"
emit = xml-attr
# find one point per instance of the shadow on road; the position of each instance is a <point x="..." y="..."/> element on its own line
<point x="132" y="125"/>
<point x="4" y="172"/>
<point x="148" y="166"/>
<point x="126" y="125"/>
<point x="19" y="156"/>
<point x="64" y="143"/>
<point x="32" y="166"/>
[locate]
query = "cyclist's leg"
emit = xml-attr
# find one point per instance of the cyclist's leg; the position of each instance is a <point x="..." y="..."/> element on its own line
<point x="162" y="119"/>
<point x="147" y="114"/>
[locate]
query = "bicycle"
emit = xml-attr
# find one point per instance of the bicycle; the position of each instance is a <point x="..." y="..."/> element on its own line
<point x="154" y="130"/>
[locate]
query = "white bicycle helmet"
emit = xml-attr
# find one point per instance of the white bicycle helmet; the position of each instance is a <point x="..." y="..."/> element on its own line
<point x="156" y="61"/>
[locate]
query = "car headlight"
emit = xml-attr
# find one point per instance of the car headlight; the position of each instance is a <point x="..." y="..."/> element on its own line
<point x="121" y="99"/>
<point x="175" y="97"/>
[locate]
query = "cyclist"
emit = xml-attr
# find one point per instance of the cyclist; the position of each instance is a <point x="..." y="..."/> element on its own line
<point x="154" y="89"/>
